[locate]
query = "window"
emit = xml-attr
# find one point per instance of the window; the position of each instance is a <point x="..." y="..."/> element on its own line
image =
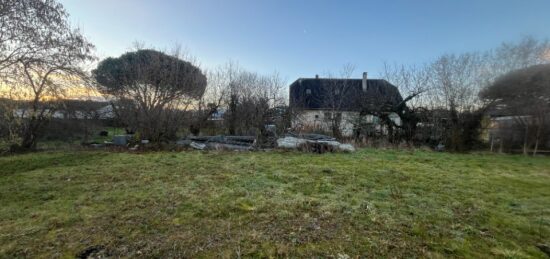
<point x="338" y="116"/>
<point x="308" y="91"/>
<point x="316" y="116"/>
<point x="333" y="116"/>
<point x="370" y="119"/>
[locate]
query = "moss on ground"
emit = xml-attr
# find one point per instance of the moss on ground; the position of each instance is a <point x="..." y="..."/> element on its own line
<point x="373" y="203"/>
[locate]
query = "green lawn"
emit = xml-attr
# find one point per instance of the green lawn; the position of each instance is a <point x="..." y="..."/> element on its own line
<point x="372" y="203"/>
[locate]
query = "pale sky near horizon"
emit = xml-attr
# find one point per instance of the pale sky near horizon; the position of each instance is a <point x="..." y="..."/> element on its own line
<point x="308" y="37"/>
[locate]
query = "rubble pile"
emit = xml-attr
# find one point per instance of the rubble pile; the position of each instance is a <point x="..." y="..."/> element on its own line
<point x="220" y="142"/>
<point x="315" y="143"/>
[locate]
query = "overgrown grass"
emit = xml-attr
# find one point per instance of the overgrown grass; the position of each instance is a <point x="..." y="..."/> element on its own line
<point x="371" y="203"/>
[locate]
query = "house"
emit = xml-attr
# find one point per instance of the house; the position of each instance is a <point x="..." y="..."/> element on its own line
<point x="505" y="129"/>
<point x="318" y="103"/>
<point x="72" y="109"/>
<point x="217" y="115"/>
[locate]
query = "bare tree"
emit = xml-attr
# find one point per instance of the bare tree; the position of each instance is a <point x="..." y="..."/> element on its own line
<point x="26" y="27"/>
<point x="216" y="97"/>
<point x="335" y="96"/>
<point x="250" y="98"/>
<point x="454" y="87"/>
<point x="449" y="109"/>
<point x="42" y="57"/>
<point x="412" y="81"/>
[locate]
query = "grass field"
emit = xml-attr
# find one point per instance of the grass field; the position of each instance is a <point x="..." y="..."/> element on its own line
<point x="371" y="203"/>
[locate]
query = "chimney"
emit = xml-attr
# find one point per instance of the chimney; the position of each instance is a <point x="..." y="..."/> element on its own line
<point x="316" y="76"/>
<point x="365" y="84"/>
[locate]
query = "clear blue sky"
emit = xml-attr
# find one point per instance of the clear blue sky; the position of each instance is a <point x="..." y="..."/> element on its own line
<point x="301" y="38"/>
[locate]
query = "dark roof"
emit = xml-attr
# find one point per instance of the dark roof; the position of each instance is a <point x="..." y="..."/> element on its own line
<point x="342" y="94"/>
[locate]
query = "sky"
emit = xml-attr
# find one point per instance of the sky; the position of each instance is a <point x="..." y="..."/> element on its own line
<point x="302" y="38"/>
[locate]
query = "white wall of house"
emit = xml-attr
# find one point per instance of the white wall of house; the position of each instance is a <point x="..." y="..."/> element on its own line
<point x="310" y="120"/>
<point x="105" y="112"/>
<point x="319" y="120"/>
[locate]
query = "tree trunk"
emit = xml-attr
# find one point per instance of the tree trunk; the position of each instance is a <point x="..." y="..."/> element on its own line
<point x="86" y="131"/>
<point x="232" y="115"/>
<point x="536" y="147"/>
<point x="537" y="137"/>
<point x="525" y="139"/>
<point x="29" y="137"/>
<point x="335" y="127"/>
